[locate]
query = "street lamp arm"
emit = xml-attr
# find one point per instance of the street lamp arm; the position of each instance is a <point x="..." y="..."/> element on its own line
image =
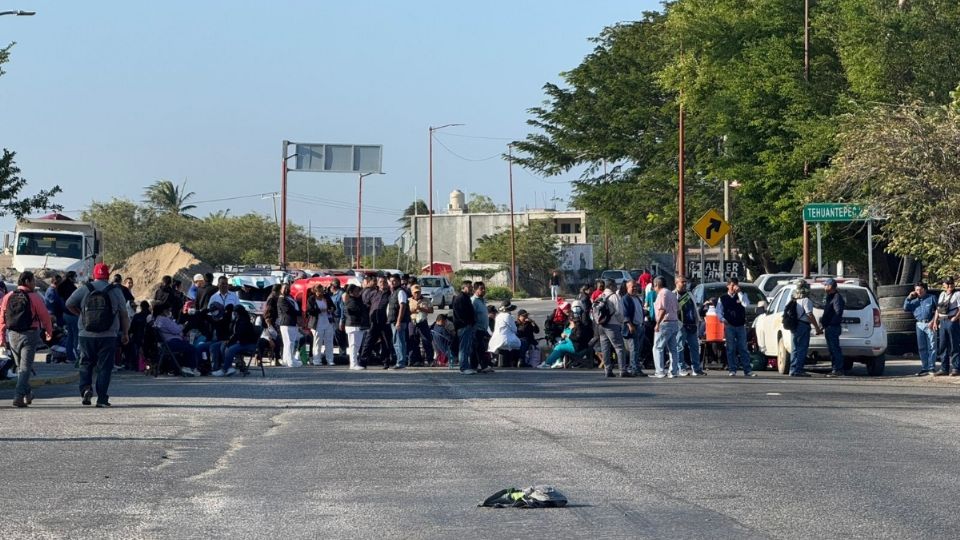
<point x="19" y="13"/>
<point x="444" y="126"/>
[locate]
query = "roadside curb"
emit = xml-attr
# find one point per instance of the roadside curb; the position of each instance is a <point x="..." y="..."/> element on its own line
<point x="43" y="381"/>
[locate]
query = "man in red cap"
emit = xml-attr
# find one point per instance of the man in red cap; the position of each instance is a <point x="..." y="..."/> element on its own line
<point x="103" y="317"/>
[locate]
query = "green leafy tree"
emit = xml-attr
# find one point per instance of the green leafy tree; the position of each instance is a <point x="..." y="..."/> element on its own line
<point x="538" y="253"/>
<point x="480" y="204"/>
<point x="169" y="198"/>
<point x="418" y="208"/>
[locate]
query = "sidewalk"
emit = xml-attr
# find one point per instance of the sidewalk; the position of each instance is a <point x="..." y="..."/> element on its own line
<point x="47" y="374"/>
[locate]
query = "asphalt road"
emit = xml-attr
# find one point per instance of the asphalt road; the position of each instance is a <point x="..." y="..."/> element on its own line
<point x="328" y="453"/>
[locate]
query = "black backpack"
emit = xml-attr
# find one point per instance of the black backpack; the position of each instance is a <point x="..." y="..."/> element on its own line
<point x="600" y="310"/>
<point x="19" y="315"/>
<point x="790" y="318"/>
<point x="97" y="311"/>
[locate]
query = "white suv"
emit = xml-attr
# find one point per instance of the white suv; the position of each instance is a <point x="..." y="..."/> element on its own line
<point x="863" y="337"/>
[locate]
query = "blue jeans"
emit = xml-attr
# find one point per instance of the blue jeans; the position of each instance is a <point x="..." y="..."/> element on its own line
<point x="832" y="335"/>
<point x="400" y="343"/>
<point x="71" y="328"/>
<point x="689" y="340"/>
<point x="23" y="349"/>
<point x="634" y="344"/>
<point x="190" y="355"/>
<point x="97" y="353"/>
<point x="736" y="337"/>
<point x="949" y="341"/>
<point x="663" y="341"/>
<point x="466" y="348"/>
<point x="230" y="353"/>
<point x="801" y="344"/>
<point x="927" y="346"/>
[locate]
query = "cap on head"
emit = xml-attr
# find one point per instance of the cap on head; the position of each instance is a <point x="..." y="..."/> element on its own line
<point x="829" y="282"/>
<point x="197" y="277"/>
<point x="415" y="288"/>
<point x="101" y="271"/>
<point x="521" y="312"/>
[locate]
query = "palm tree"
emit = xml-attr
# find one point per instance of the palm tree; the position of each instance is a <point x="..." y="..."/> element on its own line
<point x="169" y="198"/>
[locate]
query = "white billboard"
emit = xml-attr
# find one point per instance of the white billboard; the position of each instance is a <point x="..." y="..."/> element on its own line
<point x="577" y="257"/>
<point x="339" y="158"/>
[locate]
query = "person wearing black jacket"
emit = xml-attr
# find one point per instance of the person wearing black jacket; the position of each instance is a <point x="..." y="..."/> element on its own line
<point x="527" y="331"/>
<point x="290" y="320"/>
<point x="356" y="324"/>
<point x="242" y="341"/>
<point x="380" y="336"/>
<point x="831" y="321"/>
<point x="71" y="321"/>
<point x="464" y="319"/>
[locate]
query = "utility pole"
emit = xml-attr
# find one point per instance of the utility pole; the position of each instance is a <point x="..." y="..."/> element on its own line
<point x="283" y="209"/>
<point x="430" y="172"/>
<point x="682" y="248"/>
<point x="513" y="231"/>
<point x="806" y="165"/>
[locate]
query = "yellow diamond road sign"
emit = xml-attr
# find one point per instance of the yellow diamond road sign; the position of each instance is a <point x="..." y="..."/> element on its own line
<point x="712" y="228"/>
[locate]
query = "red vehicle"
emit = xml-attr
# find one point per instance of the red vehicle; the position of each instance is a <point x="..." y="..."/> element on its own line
<point x="300" y="287"/>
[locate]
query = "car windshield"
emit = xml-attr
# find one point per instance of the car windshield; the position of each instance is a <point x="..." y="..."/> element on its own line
<point x="430" y="282"/>
<point x="777" y="280"/>
<point x="52" y="244"/>
<point x="853" y="299"/>
<point x="612" y="274"/>
<point x="635" y="274"/>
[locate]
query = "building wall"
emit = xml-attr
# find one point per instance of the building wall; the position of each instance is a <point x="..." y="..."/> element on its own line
<point x="457" y="235"/>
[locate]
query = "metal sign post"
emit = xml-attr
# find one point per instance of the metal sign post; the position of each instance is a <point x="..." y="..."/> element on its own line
<point x="362" y="159"/>
<point x="843" y="212"/>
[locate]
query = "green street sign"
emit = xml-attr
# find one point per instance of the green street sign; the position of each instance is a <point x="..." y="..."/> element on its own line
<point x="825" y="212"/>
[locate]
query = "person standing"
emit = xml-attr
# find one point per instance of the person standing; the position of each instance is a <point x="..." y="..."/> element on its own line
<point x="666" y="330"/>
<point x="800" y="338"/>
<point x="356" y="324"/>
<point x="610" y="325"/>
<point x="923" y="305"/>
<point x="420" y="335"/>
<point x="481" y="328"/>
<point x="732" y="313"/>
<point x="689" y="336"/>
<point x="464" y="320"/>
<point x="52" y="300"/>
<point x="103" y="316"/>
<point x="831" y="321"/>
<point x="633" y="327"/>
<point x="378" y="341"/>
<point x="554" y="286"/>
<point x="948" y="329"/>
<point x="321" y="309"/>
<point x="290" y="320"/>
<point x="64" y="290"/>
<point x="398" y="315"/>
<point x="23" y="316"/>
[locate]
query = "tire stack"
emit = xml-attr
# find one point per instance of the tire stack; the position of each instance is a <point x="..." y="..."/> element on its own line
<point x="900" y="325"/>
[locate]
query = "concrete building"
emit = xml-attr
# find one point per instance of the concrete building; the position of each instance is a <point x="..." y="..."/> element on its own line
<point x="457" y="232"/>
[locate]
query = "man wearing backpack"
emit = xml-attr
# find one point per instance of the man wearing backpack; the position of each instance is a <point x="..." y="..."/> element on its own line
<point x="689" y="336"/>
<point x="633" y="327"/>
<point x="103" y="317"/>
<point x="798" y="318"/>
<point x="22" y="316"/>
<point x="608" y="314"/>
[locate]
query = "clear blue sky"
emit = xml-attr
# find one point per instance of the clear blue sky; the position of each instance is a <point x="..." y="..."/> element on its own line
<point x="105" y="97"/>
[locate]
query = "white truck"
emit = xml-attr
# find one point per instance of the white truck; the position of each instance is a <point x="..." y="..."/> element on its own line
<point x="56" y="244"/>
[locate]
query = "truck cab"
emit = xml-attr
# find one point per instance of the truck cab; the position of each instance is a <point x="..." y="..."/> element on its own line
<point x="56" y="244"/>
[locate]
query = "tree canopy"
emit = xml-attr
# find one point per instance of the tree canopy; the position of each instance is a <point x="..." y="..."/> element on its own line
<point x="751" y="113"/>
<point x="169" y="198"/>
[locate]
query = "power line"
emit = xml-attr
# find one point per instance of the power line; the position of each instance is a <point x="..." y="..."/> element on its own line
<point x="497" y="155"/>
<point x="478" y="137"/>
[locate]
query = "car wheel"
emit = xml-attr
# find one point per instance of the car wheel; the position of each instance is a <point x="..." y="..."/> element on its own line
<point x="875" y="366"/>
<point x="783" y="358"/>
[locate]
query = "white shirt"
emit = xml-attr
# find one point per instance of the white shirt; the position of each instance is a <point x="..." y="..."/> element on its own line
<point x="504" y="333"/>
<point x="804" y="309"/>
<point x="229" y="298"/>
<point x="323" y="319"/>
<point x="954" y="300"/>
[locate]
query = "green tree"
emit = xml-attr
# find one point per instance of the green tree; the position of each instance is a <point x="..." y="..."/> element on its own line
<point x="480" y="204"/>
<point x="538" y="253"/>
<point x="418" y="207"/>
<point x="169" y="198"/>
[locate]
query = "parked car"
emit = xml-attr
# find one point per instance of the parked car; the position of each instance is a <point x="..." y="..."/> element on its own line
<point x="863" y="337"/>
<point x="756" y="301"/>
<point x="617" y="275"/>
<point x="438" y="289"/>
<point x="768" y="283"/>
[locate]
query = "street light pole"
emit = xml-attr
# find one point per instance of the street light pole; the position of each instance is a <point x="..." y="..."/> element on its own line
<point x="430" y="170"/>
<point x="359" y="207"/>
<point x="682" y="248"/>
<point x="283" y="209"/>
<point x="513" y="231"/>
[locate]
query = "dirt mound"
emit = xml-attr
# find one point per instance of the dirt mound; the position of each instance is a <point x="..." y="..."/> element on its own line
<point x="148" y="266"/>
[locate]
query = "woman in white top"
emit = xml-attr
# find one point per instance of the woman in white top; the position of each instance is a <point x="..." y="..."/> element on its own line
<point x="504" y="329"/>
<point x="321" y="318"/>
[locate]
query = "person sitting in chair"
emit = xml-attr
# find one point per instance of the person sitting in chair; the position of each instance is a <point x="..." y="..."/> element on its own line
<point x="242" y="341"/>
<point x="576" y="340"/>
<point x="172" y="334"/>
<point x="504" y="337"/>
